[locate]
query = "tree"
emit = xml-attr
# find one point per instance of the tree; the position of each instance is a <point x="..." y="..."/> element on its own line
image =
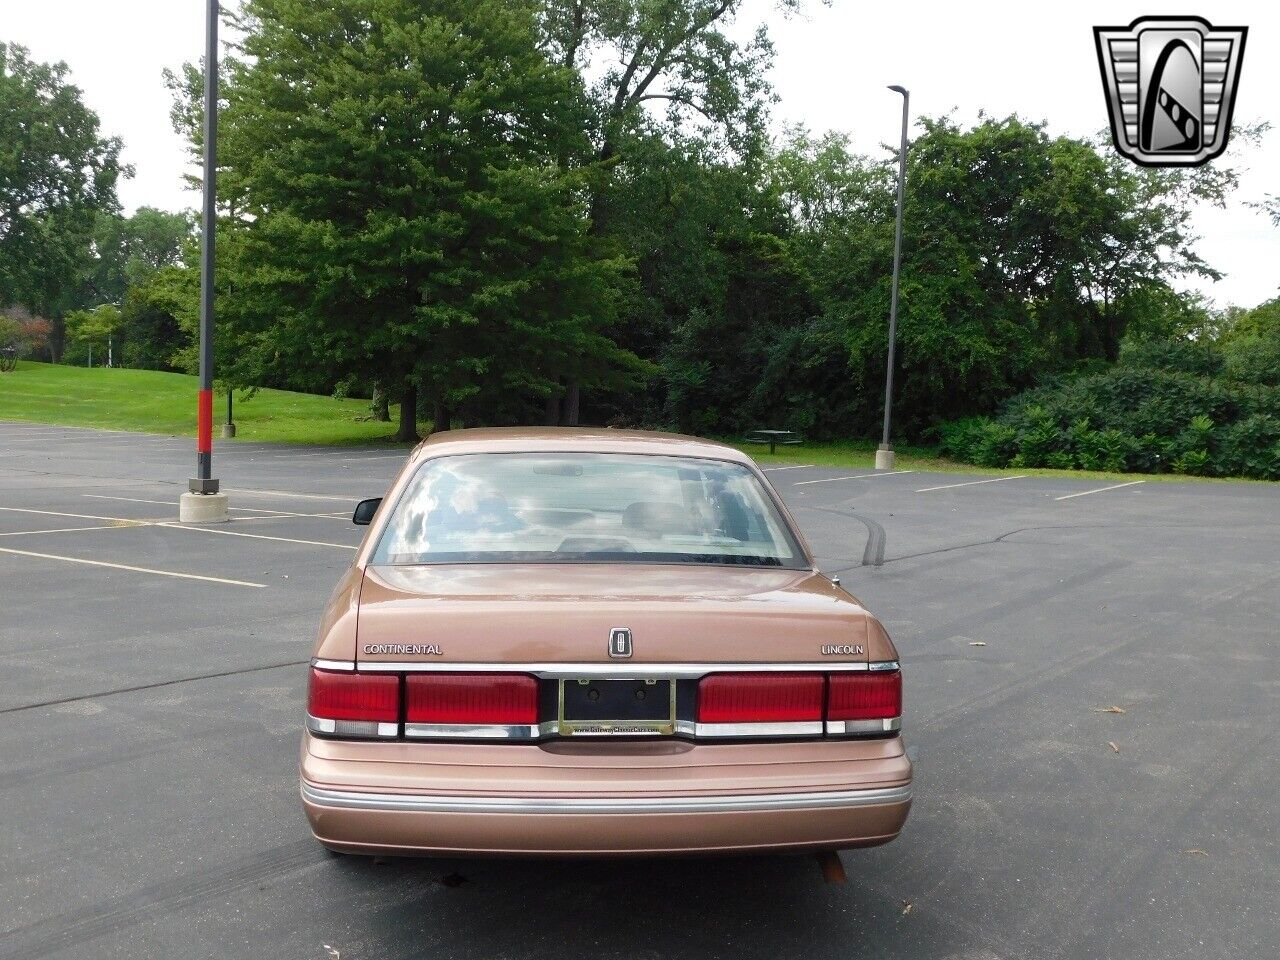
<point x="1251" y="344"/>
<point x="26" y="332"/>
<point x="90" y="329"/>
<point x="664" y="68"/>
<point x="674" y="54"/>
<point x="12" y="343"/>
<point x="1024" y="254"/>
<point x="127" y="250"/>
<point x="160" y="320"/>
<point x="57" y="176"/>
<point x="403" y="215"/>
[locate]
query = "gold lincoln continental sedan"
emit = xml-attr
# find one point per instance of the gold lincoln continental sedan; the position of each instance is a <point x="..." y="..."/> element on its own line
<point x="596" y="642"/>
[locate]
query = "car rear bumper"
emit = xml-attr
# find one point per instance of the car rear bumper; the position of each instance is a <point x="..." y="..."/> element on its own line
<point x="719" y="798"/>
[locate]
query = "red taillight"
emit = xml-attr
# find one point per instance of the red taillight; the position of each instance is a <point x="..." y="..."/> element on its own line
<point x="507" y="699"/>
<point x="373" y="697"/>
<point x="865" y="696"/>
<point x="760" y="697"/>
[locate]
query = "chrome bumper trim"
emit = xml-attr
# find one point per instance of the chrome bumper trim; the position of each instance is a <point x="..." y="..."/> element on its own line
<point x="740" y="803"/>
<point x="796" y="728"/>
<point x="479" y="731"/>
<point x="846" y="727"/>
<point x="617" y="671"/>
<point x="352" y="728"/>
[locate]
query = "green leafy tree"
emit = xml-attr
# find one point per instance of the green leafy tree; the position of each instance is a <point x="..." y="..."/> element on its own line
<point x="404" y="217"/>
<point x="678" y="56"/>
<point x="58" y="174"/>
<point x="92" y="331"/>
<point x="655" y="71"/>
<point x="127" y="250"/>
<point x="1024" y="254"/>
<point x="1251" y="345"/>
<point x="160" y="320"/>
<point x="12" y="342"/>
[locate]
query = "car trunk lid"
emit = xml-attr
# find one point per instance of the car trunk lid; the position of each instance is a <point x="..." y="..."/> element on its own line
<point x="569" y="613"/>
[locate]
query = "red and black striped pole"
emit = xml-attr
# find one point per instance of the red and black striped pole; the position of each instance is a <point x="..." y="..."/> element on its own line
<point x="204" y="482"/>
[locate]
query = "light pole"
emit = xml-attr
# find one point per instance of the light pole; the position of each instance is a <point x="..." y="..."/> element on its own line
<point x="204" y="504"/>
<point x="884" y="455"/>
<point x="229" y="428"/>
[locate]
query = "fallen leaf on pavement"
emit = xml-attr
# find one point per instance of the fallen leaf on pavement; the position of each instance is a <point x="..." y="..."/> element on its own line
<point x="906" y="907"/>
<point x="1112" y="745"/>
<point x="1110" y="710"/>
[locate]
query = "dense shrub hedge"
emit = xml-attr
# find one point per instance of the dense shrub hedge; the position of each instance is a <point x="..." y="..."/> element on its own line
<point x="1133" y="417"/>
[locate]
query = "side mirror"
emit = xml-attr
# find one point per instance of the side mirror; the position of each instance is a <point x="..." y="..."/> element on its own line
<point x="365" y="509"/>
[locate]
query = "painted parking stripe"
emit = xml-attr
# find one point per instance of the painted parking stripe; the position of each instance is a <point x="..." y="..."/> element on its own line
<point x="109" y="439"/>
<point x="860" y="476"/>
<point x="123" y="566"/>
<point x="971" y="483"/>
<point x="270" y="513"/>
<point x="1114" y="486"/>
<point x="802" y="466"/>
<point x="300" y="496"/>
<point x="28" y="533"/>
<point x="259" y="536"/>
<point x="127" y="521"/>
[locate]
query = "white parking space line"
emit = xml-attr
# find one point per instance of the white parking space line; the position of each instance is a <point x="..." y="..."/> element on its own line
<point x="123" y="566"/>
<point x="111" y="439"/>
<point x="274" y="454"/>
<point x="87" y="516"/>
<point x="802" y="466"/>
<point x="103" y="496"/>
<point x="270" y="513"/>
<point x="970" y="483"/>
<point x="25" y="437"/>
<point x="259" y="536"/>
<point x="300" y="496"/>
<point x="28" y="533"/>
<point x="860" y="476"/>
<point x="1114" y="486"/>
<point x="334" y="455"/>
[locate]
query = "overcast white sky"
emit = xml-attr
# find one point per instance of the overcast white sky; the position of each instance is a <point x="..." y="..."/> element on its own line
<point x="1033" y="58"/>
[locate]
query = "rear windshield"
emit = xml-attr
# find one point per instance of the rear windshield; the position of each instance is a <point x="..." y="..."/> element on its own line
<point x="567" y="508"/>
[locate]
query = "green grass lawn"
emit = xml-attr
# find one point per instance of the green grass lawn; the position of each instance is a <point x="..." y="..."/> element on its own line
<point x="155" y="402"/>
<point x="861" y="455"/>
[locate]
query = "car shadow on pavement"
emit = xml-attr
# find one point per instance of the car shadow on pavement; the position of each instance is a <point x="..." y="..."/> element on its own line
<point x="771" y="906"/>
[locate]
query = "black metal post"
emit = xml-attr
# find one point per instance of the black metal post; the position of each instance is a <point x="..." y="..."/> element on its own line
<point x="897" y="262"/>
<point x="204" y="482"/>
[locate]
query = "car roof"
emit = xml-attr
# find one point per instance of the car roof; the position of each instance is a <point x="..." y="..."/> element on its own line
<point x="573" y="440"/>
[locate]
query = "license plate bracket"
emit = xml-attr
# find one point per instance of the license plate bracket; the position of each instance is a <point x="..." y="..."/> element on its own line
<point x="641" y="707"/>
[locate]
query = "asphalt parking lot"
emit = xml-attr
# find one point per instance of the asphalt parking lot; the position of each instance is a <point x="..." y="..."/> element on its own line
<point x="154" y="679"/>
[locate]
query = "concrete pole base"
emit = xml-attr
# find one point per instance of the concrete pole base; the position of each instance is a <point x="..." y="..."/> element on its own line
<point x="228" y="431"/>
<point x="884" y="459"/>
<point x="202" y="508"/>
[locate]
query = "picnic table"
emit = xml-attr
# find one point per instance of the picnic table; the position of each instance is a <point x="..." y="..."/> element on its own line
<point x="774" y="437"/>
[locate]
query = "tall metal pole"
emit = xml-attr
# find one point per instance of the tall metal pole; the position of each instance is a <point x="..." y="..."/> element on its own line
<point x="884" y="456"/>
<point x="204" y="482"/>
